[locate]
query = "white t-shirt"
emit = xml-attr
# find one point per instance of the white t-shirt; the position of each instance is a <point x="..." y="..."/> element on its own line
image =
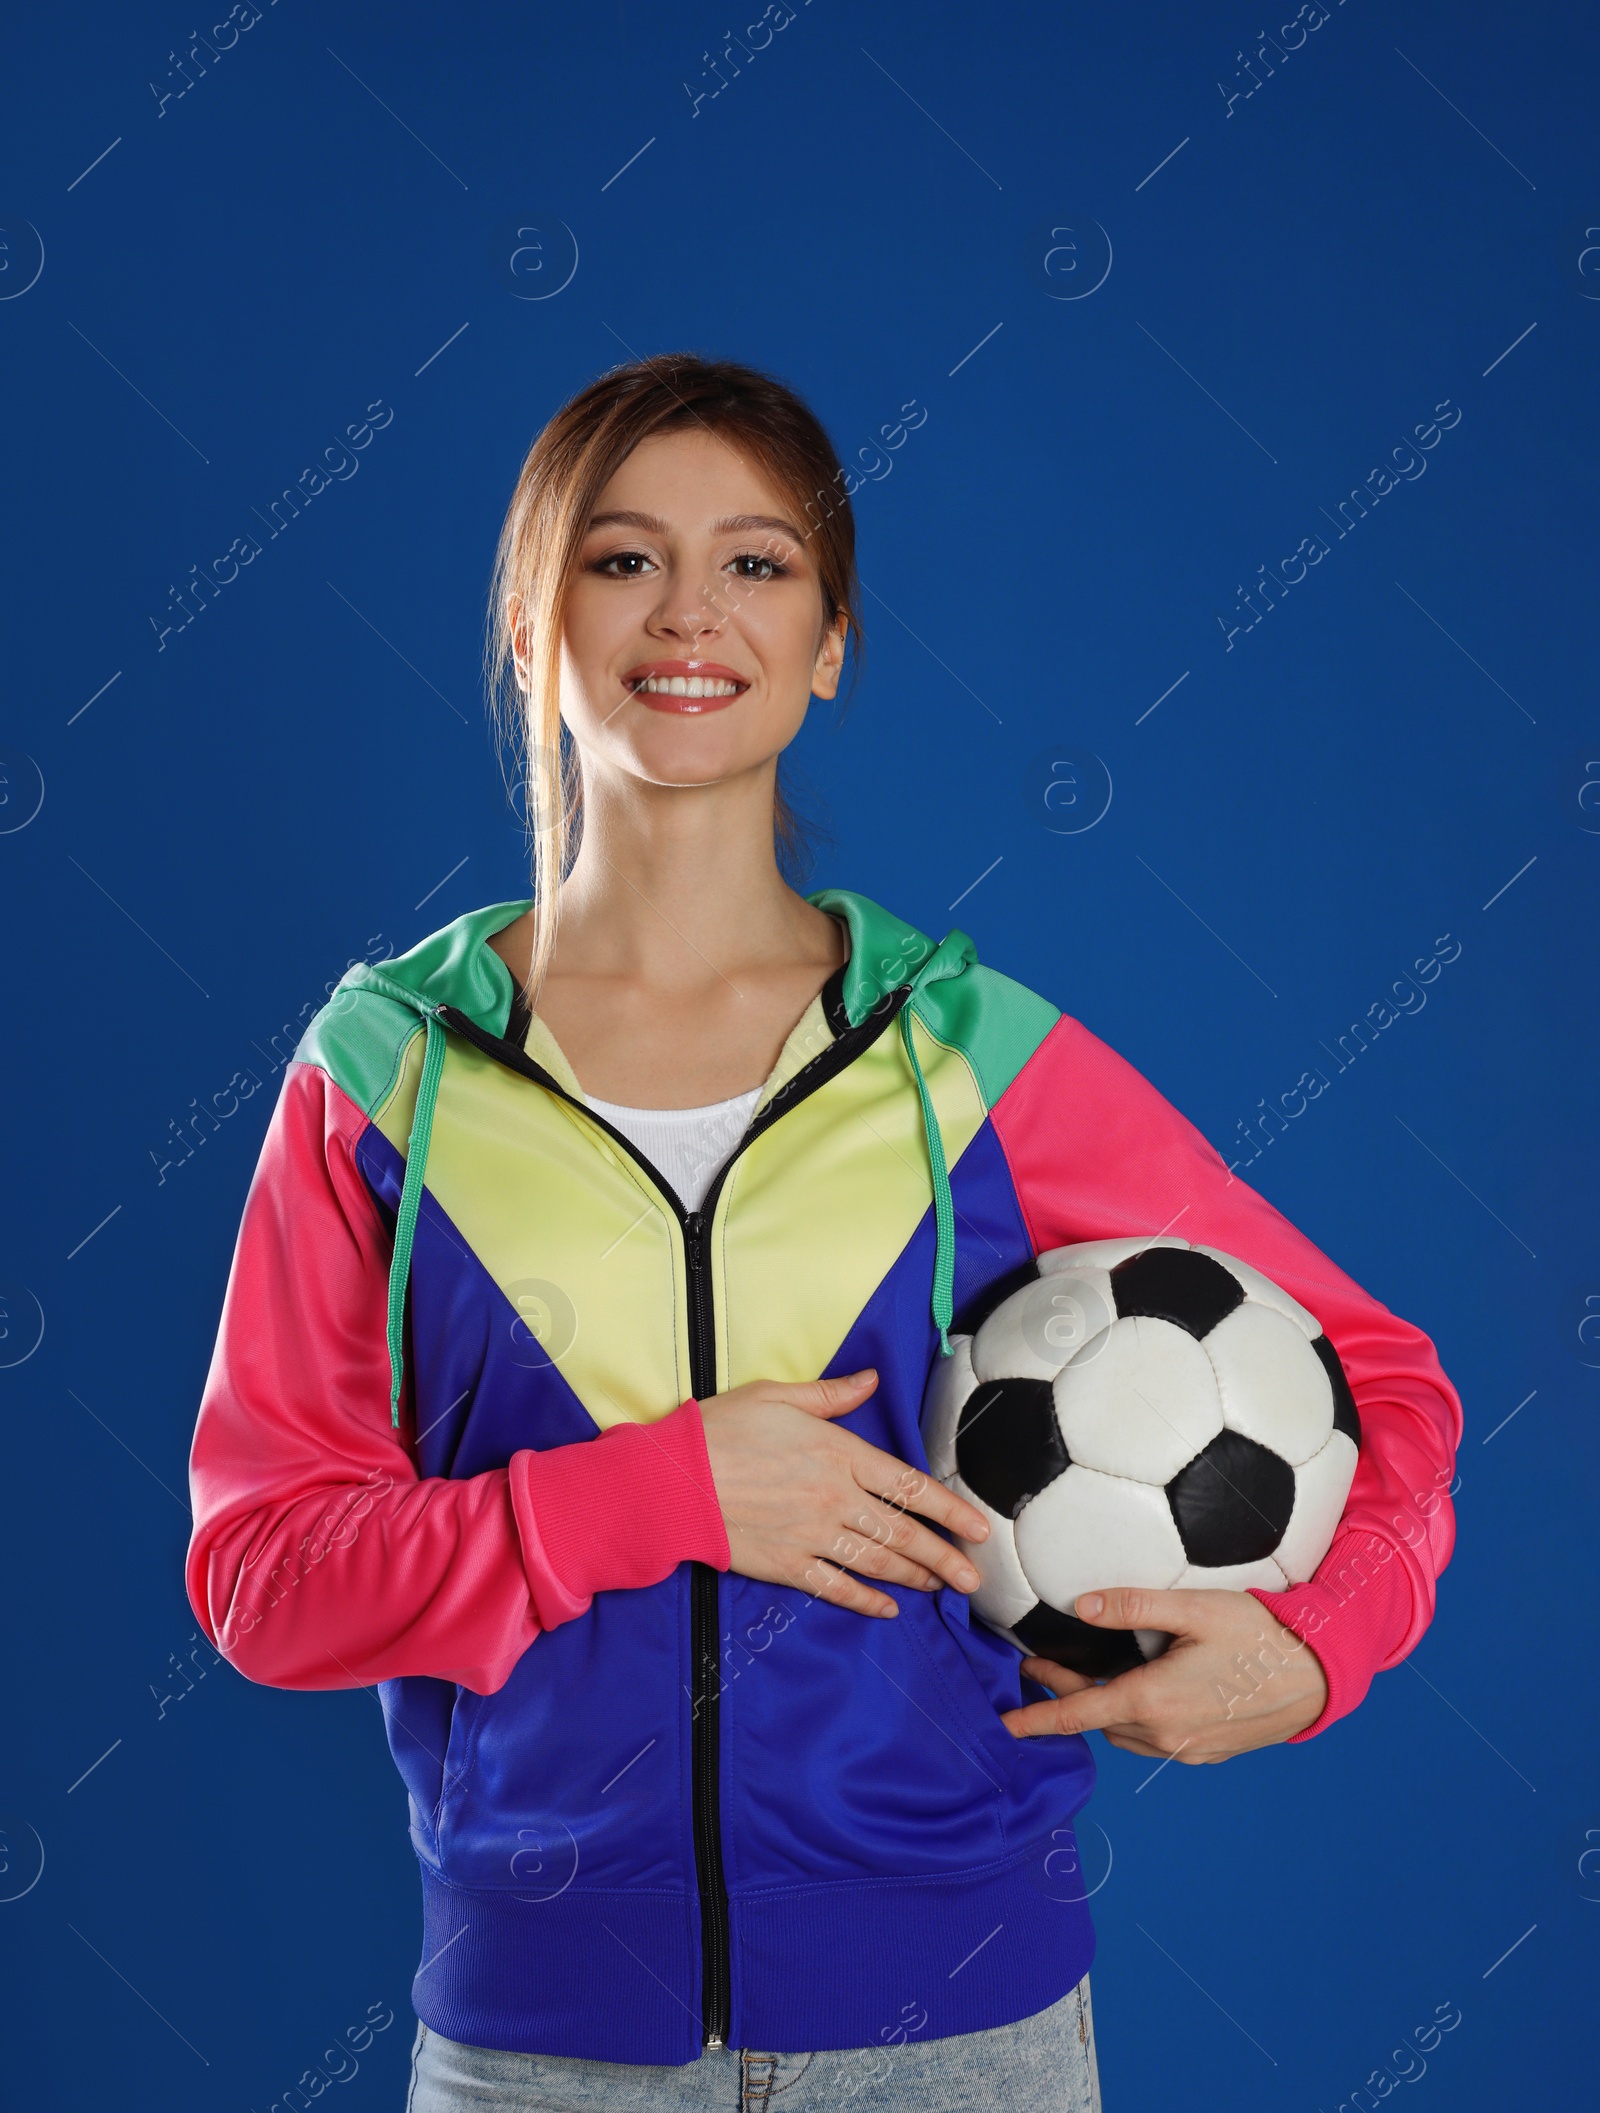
<point x="689" y="1145"/>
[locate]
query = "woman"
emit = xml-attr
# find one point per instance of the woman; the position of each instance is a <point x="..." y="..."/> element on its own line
<point x="568" y="1378"/>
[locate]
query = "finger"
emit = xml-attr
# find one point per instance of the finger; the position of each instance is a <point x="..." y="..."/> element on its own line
<point x="877" y="1526"/>
<point x="870" y="1546"/>
<point x="876" y="1541"/>
<point x="1129" y="1744"/>
<point x="900" y="1570"/>
<point x="1060" y="1679"/>
<point x="826" y="1397"/>
<point x="824" y="1580"/>
<point x="1090" y="1708"/>
<point x="914" y="1489"/>
<point x="1131" y="1607"/>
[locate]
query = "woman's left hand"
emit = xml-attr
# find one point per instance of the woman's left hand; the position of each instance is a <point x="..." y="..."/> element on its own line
<point x="1234" y="1678"/>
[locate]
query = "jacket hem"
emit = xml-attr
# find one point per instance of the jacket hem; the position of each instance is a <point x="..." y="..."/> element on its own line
<point x="615" y="1976"/>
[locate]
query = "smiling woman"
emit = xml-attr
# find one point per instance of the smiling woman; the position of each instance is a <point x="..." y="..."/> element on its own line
<point x="686" y="543"/>
<point x="737" y="455"/>
<point x="605" y="1243"/>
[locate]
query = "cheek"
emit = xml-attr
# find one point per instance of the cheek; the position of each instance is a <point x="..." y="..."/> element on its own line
<point x="585" y="695"/>
<point x="587" y="623"/>
<point x="596" y="634"/>
<point x="782" y="632"/>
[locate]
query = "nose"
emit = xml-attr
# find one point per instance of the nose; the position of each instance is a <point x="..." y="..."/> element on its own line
<point x="689" y="612"/>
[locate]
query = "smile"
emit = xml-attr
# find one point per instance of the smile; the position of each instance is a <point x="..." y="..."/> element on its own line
<point x="678" y="687"/>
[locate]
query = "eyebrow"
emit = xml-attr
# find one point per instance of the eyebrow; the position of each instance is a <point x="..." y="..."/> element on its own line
<point x="730" y="524"/>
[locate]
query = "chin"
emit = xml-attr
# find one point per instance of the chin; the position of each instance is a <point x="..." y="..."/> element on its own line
<point x="674" y="760"/>
<point x="690" y="778"/>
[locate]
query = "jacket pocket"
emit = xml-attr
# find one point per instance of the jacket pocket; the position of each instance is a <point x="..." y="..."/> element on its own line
<point x="457" y="1752"/>
<point x="973" y="1715"/>
<point x="418" y="1711"/>
<point x="573" y="1772"/>
<point x="855" y="1748"/>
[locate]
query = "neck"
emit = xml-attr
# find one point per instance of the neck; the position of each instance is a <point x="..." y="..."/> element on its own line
<point x="677" y="885"/>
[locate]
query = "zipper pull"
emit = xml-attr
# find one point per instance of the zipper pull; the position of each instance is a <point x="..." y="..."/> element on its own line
<point x="694" y="1226"/>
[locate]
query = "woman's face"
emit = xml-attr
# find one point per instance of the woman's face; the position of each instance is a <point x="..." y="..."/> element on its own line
<point x="694" y="576"/>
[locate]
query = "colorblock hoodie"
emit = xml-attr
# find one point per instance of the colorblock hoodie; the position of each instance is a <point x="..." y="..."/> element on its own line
<point x="450" y="1443"/>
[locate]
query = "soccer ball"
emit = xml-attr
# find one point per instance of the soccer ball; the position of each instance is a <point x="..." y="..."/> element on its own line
<point x="1142" y="1413"/>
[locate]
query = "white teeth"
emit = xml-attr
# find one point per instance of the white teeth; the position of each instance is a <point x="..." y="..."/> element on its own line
<point x="687" y="686"/>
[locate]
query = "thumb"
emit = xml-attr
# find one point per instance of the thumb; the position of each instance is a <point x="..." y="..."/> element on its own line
<point x="1131" y="1607"/>
<point x="832" y="1397"/>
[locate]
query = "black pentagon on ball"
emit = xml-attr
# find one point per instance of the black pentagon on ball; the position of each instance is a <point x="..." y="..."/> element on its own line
<point x="1232" y="1502"/>
<point x="1078" y="1645"/>
<point x="1346" y="1417"/>
<point x="1176" y="1284"/>
<point x="1009" y="1444"/>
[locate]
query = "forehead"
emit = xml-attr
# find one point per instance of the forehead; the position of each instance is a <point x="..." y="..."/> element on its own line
<point x="691" y="476"/>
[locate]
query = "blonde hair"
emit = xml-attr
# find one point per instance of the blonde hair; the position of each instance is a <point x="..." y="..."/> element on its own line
<point x="562" y="476"/>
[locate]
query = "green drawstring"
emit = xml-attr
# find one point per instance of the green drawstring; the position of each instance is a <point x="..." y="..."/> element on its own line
<point x="410" y="1200"/>
<point x="944" y="1213"/>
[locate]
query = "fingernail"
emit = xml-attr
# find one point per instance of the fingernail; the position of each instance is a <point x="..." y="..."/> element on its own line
<point x="1088" y="1604"/>
<point x="970" y="1579"/>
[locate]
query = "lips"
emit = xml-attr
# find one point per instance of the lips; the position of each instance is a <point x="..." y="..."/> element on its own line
<point x="688" y="686"/>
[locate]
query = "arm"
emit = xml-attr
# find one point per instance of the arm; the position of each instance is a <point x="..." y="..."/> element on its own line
<point x="1095" y="1151"/>
<point x="319" y="1558"/>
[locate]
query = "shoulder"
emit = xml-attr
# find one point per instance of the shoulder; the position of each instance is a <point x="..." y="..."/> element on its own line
<point x="1020" y="1043"/>
<point x="359" y="1039"/>
<point x="376" y="1009"/>
<point x="997" y="1023"/>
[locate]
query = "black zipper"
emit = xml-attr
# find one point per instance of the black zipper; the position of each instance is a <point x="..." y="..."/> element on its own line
<point x="695" y="1227"/>
<point x="706" y="1696"/>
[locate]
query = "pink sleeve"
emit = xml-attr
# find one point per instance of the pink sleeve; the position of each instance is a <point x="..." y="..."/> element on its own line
<point x="1095" y="1151"/>
<point x="319" y="1558"/>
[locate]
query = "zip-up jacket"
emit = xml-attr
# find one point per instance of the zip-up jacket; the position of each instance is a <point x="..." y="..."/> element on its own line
<point x="450" y="1444"/>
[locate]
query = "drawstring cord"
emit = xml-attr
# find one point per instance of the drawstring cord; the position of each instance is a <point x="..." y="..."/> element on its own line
<point x="410" y="1201"/>
<point x="944" y="1214"/>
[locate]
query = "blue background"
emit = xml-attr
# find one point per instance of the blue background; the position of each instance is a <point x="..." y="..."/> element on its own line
<point x="303" y="775"/>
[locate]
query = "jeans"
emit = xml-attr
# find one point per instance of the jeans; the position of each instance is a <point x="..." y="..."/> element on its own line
<point x="1042" y="2064"/>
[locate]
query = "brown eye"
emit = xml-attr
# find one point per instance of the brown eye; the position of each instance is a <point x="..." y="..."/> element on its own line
<point x="752" y="557"/>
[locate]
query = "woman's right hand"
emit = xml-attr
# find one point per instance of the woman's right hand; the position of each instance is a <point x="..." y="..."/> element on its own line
<point x="805" y="1503"/>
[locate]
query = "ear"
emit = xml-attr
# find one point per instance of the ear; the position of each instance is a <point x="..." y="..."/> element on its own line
<point x="829" y="663"/>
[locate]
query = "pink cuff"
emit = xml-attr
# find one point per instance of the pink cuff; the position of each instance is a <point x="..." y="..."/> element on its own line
<point x="615" y="1512"/>
<point x="1353" y="1614"/>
